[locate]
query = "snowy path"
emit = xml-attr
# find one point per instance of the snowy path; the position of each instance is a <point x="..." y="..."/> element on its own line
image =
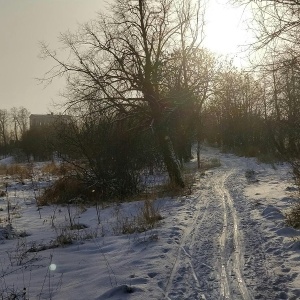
<point x="210" y="258"/>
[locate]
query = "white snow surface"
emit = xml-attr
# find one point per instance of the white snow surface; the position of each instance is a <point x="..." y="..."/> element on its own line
<point x="227" y="240"/>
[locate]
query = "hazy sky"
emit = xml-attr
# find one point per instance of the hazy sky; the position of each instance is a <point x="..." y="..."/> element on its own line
<point x="23" y="23"/>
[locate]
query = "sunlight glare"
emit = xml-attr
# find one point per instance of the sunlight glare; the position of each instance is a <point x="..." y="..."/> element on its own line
<point x="226" y="28"/>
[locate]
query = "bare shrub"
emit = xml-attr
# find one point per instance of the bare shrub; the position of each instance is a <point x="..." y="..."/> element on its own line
<point x="12" y="293"/>
<point x="21" y="255"/>
<point x="65" y="238"/>
<point x="296" y="170"/>
<point x="293" y="216"/>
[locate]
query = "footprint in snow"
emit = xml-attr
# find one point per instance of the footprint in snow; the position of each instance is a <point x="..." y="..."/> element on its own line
<point x="152" y="274"/>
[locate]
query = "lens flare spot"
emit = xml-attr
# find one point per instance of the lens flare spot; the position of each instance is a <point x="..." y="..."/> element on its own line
<point x="52" y="267"/>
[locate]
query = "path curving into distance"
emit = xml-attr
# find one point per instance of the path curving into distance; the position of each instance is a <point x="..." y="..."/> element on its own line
<point x="210" y="259"/>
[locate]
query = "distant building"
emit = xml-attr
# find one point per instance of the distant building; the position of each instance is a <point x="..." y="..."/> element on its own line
<point x="37" y="121"/>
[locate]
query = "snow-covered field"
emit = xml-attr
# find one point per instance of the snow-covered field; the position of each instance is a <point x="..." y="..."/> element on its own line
<point x="227" y="240"/>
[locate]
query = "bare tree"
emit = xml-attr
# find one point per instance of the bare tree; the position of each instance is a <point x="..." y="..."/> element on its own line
<point x="14" y="117"/>
<point x="20" y="119"/>
<point x="189" y="78"/>
<point x="282" y="103"/>
<point x="234" y="114"/>
<point x="23" y="118"/>
<point x="4" y="129"/>
<point x="276" y="25"/>
<point x="117" y="60"/>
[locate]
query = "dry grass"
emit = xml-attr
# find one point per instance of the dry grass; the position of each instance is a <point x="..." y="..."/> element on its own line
<point x="146" y="218"/>
<point x="61" y="169"/>
<point x="19" y="170"/>
<point x="3" y="169"/>
<point x="51" y="168"/>
<point x="67" y="236"/>
<point x="62" y="191"/>
<point x="150" y="213"/>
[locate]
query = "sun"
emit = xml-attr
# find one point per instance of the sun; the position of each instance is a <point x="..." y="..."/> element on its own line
<point x="226" y="31"/>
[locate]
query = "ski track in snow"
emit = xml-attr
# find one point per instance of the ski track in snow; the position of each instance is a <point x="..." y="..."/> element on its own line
<point x="183" y="259"/>
<point x="210" y="260"/>
<point x="231" y="262"/>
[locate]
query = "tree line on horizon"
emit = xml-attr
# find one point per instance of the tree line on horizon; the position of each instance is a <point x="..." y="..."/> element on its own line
<point x="13" y="125"/>
<point x="142" y="90"/>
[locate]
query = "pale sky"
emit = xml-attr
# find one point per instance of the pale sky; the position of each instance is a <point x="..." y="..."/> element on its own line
<point x="23" y="23"/>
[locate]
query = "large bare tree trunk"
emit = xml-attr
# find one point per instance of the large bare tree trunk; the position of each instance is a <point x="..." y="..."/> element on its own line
<point x="165" y="144"/>
<point x="170" y="159"/>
